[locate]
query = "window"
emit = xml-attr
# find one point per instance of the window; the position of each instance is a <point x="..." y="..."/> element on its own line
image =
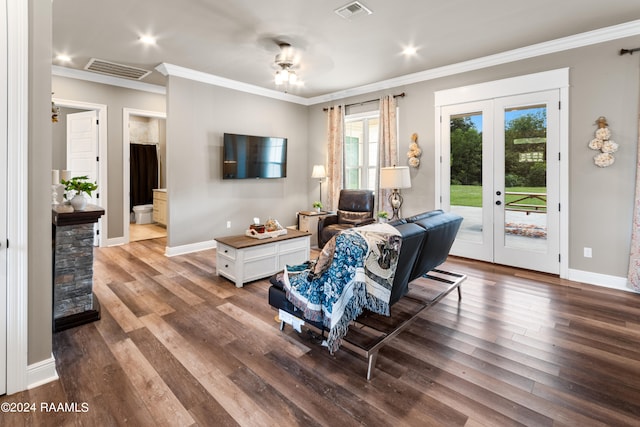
<point x="361" y="151"/>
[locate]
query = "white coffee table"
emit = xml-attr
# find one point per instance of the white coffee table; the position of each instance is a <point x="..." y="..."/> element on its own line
<point x="242" y="259"/>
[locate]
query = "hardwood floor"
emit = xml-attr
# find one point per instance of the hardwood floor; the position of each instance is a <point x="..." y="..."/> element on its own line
<point x="177" y="345"/>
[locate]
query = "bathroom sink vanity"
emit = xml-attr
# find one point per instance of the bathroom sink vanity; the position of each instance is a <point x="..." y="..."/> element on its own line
<point x="160" y="206"/>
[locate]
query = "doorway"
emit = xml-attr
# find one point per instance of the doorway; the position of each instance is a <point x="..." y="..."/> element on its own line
<point x="64" y="151"/>
<point x="145" y="130"/>
<point x="501" y="171"/>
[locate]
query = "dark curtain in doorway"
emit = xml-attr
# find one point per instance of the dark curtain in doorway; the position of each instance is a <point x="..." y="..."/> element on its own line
<point x="144" y="174"/>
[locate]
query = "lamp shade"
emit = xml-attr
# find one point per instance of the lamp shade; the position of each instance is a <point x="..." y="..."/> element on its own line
<point x="318" y="172"/>
<point x="395" y="177"/>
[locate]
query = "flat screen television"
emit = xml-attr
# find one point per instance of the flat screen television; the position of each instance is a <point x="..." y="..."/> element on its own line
<point x="248" y="156"/>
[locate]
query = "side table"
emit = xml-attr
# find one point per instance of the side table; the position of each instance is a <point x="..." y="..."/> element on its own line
<point x="308" y="221"/>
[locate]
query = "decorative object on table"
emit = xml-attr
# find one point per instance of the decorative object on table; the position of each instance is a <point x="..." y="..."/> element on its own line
<point x="383" y="216"/>
<point x="271" y="228"/>
<point x="272" y="225"/>
<point x="395" y="178"/>
<point x="55" y="111"/>
<point x="78" y="186"/>
<point x="317" y="206"/>
<point x="55" y="182"/>
<point x="414" y="153"/>
<point x="320" y="173"/>
<point x="604" y="144"/>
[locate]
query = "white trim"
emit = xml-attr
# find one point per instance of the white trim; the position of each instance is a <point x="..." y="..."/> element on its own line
<point x="614" y="32"/>
<point x="564" y="181"/>
<point x="628" y="29"/>
<point x="42" y="372"/>
<point x="126" y="180"/>
<point x="17" y="191"/>
<point x="193" y="247"/>
<point x="547" y="80"/>
<point x="604" y="280"/>
<point x="199" y="76"/>
<point x="73" y="73"/>
<point x="118" y="241"/>
<point x="103" y="173"/>
<point x="529" y="83"/>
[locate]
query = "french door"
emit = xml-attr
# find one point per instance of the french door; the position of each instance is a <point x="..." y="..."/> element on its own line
<point x="501" y="173"/>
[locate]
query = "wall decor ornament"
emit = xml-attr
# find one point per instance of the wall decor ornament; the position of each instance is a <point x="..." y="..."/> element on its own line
<point x="414" y="152"/>
<point x="604" y="144"/>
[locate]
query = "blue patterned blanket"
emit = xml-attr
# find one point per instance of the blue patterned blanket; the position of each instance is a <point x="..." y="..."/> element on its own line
<point x="355" y="271"/>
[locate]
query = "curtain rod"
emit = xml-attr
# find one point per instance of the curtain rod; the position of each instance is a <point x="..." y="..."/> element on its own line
<point x="629" y="51"/>
<point x="400" y="95"/>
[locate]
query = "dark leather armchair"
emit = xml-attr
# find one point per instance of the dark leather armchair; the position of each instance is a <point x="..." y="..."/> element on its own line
<point x="355" y="208"/>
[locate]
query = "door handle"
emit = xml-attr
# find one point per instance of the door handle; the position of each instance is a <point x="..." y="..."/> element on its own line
<point x="498" y="193"/>
<point x="498" y="202"/>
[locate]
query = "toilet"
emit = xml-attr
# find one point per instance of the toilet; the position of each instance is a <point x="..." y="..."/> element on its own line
<point x="144" y="214"/>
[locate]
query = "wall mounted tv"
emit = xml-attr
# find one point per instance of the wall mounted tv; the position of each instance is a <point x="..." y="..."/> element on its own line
<point x="247" y="156"/>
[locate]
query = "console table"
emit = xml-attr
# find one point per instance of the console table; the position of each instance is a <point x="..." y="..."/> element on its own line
<point x="74" y="303"/>
<point x="242" y="259"/>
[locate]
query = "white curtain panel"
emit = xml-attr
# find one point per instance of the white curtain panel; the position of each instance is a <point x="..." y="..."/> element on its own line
<point x="335" y="140"/>
<point x="387" y="148"/>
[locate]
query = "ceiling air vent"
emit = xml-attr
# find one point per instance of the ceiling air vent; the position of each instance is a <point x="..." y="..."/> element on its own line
<point x="116" y="70"/>
<point x="353" y="10"/>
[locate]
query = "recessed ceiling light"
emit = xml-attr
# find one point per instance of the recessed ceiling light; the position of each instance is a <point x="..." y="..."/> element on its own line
<point x="148" y="40"/>
<point x="63" y="58"/>
<point x="410" y="51"/>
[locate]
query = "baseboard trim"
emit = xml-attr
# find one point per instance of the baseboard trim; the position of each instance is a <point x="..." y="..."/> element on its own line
<point x="117" y="241"/>
<point x="186" y="249"/>
<point x="41" y="373"/>
<point x="604" y="280"/>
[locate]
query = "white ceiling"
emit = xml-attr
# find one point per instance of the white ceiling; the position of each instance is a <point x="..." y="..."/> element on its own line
<point x="237" y="39"/>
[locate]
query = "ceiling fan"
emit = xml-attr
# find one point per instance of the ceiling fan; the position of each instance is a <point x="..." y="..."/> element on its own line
<point x="285" y="62"/>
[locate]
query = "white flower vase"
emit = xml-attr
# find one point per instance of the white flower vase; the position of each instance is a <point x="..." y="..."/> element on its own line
<point x="79" y="202"/>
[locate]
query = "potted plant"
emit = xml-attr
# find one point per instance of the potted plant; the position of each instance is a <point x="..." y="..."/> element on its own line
<point x="383" y="216"/>
<point x="317" y="205"/>
<point x="79" y="185"/>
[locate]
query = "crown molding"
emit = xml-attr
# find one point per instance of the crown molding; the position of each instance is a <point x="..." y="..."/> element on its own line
<point x="615" y="32"/>
<point x="588" y="38"/>
<point x="187" y="73"/>
<point x="73" y="73"/>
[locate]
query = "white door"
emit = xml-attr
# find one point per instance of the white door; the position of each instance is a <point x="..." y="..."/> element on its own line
<point x="3" y="199"/>
<point x="82" y="152"/>
<point x="504" y="179"/>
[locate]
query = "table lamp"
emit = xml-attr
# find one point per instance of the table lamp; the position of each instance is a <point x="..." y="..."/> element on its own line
<point x="319" y="173"/>
<point x="395" y="178"/>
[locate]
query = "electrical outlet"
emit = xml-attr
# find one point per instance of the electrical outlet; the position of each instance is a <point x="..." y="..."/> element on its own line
<point x="228" y="224"/>
<point x="587" y="253"/>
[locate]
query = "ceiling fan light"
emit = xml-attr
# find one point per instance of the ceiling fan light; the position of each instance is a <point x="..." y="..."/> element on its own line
<point x="280" y="77"/>
<point x="293" y="77"/>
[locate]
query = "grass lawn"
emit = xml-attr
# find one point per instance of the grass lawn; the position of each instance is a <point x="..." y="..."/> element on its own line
<point x="471" y="195"/>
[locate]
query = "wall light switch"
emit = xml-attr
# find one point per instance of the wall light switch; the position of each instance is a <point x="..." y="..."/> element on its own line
<point x="228" y="224"/>
<point x="587" y="253"/>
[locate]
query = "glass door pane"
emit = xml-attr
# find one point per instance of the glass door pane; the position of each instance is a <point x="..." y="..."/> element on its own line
<point x="465" y="180"/>
<point x="525" y="173"/>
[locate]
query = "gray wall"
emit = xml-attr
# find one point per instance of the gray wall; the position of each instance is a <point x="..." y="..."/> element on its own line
<point x="602" y="83"/>
<point x="39" y="175"/>
<point x="115" y="98"/>
<point x="200" y="201"/>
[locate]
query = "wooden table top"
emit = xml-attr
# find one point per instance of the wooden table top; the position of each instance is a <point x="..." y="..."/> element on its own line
<point x="241" y="241"/>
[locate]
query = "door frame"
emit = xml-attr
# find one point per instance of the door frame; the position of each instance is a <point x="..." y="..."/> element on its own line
<point x="103" y="177"/>
<point x="17" y="129"/>
<point x="126" y="181"/>
<point x="538" y="82"/>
